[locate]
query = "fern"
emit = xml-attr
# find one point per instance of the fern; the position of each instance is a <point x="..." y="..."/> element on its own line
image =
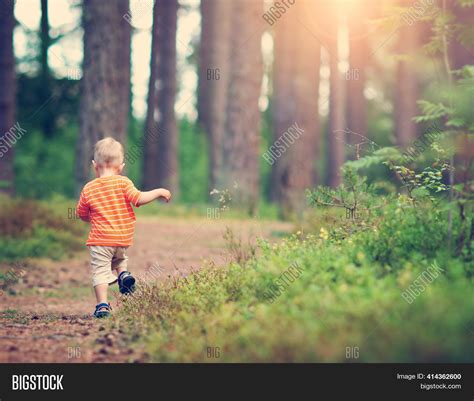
<point x="431" y="111"/>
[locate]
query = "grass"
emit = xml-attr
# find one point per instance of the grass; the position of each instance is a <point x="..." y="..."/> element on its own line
<point x="348" y="296"/>
<point x="15" y="316"/>
<point x="38" y="229"/>
<point x="77" y="293"/>
<point x="49" y="228"/>
<point x="182" y="210"/>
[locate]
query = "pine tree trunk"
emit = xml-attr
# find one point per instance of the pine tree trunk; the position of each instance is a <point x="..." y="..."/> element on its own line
<point x="356" y="102"/>
<point x="48" y="115"/>
<point x="336" y="125"/>
<point x="295" y="125"/>
<point x="240" y="173"/>
<point x="207" y="20"/>
<point x="104" y="109"/>
<point x="149" y="144"/>
<point x="461" y="54"/>
<point x="214" y="79"/>
<point x="161" y="136"/>
<point x="125" y="67"/>
<point x="7" y="95"/>
<point x="406" y="86"/>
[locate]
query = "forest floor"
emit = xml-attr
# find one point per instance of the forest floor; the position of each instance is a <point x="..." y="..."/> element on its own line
<point x="47" y="315"/>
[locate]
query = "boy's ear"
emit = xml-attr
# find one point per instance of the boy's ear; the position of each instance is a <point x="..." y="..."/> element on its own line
<point x="121" y="167"/>
<point x="94" y="163"/>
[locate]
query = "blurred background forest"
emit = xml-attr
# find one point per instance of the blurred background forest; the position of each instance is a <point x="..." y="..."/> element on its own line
<point x="200" y="92"/>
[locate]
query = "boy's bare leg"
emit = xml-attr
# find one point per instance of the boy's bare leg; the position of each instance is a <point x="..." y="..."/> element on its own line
<point x="120" y="270"/>
<point x="101" y="293"/>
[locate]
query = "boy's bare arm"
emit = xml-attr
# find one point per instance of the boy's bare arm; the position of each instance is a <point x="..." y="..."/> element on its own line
<point x="149" y="196"/>
<point x="83" y="213"/>
<point x="82" y="210"/>
<point x="85" y="218"/>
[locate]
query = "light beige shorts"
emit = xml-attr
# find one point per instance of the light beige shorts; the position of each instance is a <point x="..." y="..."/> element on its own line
<point x="105" y="259"/>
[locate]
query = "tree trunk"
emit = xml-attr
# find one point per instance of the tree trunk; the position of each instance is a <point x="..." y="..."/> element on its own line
<point x="148" y="146"/>
<point x="45" y="39"/>
<point x="125" y="67"/>
<point x="295" y="115"/>
<point x="47" y="113"/>
<point x="214" y="78"/>
<point x="336" y="123"/>
<point x="207" y="20"/>
<point x="7" y="96"/>
<point x="161" y="136"/>
<point x="106" y="79"/>
<point x="461" y="54"/>
<point x="406" y="85"/>
<point x="356" y="102"/>
<point x="240" y="173"/>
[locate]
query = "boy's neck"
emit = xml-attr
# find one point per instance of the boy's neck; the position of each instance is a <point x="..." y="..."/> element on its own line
<point x="107" y="173"/>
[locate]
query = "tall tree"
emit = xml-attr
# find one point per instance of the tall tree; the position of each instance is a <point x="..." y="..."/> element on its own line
<point x="161" y="134"/>
<point x="356" y="102"/>
<point x="7" y="94"/>
<point x="207" y="21"/>
<point x="214" y="78"/>
<point x="150" y="160"/>
<point x="104" y="106"/>
<point x="461" y="53"/>
<point x="124" y="60"/>
<point x="407" y="83"/>
<point x="45" y="39"/>
<point x="295" y="114"/>
<point x="461" y="49"/>
<point x="240" y="172"/>
<point x="336" y="123"/>
<point x="47" y="114"/>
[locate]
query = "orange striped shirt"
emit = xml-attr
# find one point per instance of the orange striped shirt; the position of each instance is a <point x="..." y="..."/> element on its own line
<point x="106" y="203"/>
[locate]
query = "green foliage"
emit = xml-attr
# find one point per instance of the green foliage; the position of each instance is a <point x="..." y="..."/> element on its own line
<point x="133" y="167"/>
<point x="348" y="195"/>
<point x="193" y="164"/>
<point x="406" y="233"/>
<point x="38" y="106"/>
<point x="31" y="229"/>
<point x="420" y="185"/>
<point x="45" y="167"/>
<point x="266" y="141"/>
<point x="466" y="3"/>
<point x="442" y="30"/>
<point x="432" y="111"/>
<point x="349" y="294"/>
<point x="374" y="159"/>
<point x="455" y="105"/>
<point x="358" y="200"/>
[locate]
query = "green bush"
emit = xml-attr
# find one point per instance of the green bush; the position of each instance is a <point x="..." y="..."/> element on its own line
<point x="405" y="232"/>
<point x="44" y="167"/>
<point x="32" y="229"/>
<point x="345" y="297"/>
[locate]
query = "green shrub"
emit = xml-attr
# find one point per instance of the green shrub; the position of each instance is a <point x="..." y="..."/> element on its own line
<point x="32" y="229"/>
<point x="405" y="232"/>
<point x="343" y="298"/>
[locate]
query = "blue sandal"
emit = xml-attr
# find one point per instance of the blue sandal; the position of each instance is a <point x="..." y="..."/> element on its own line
<point x="126" y="282"/>
<point x="102" y="310"/>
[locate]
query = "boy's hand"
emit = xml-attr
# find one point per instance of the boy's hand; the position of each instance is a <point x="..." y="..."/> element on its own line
<point x="164" y="193"/>
<point x="150" y="196"/>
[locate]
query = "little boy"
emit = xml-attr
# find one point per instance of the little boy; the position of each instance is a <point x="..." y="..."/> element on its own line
<point x="106" y="202"/>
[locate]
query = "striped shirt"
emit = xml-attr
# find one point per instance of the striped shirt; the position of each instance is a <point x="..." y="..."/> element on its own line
<point x="106" y="203"/>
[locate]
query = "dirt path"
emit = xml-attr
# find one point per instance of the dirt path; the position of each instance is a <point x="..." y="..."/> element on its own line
<point x="48" y="316"/>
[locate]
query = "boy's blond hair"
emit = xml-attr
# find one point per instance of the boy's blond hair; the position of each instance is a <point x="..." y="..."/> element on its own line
<point x="108" y="151"/>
